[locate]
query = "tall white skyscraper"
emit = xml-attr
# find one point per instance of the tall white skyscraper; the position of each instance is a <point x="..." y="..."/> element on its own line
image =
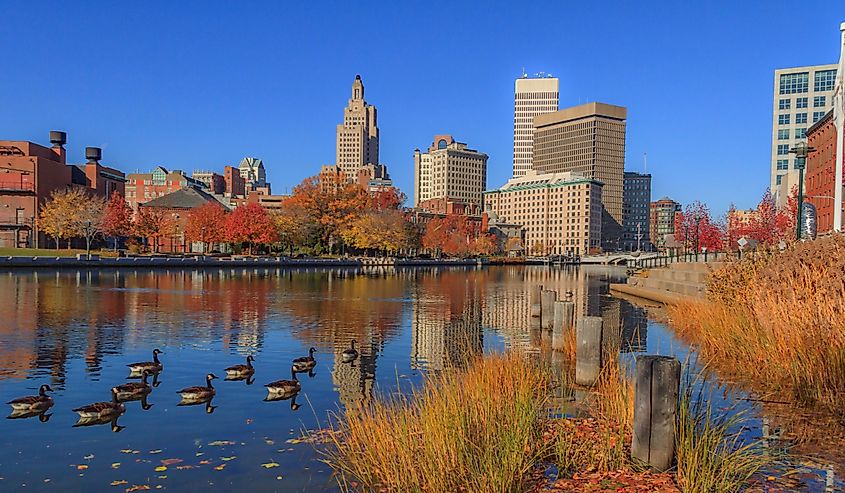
<point x="802" y="96"/>
<point x="532" y="96"/>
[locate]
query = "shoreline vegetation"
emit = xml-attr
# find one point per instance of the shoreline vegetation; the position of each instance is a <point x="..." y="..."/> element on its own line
<point x="491" y="428"/>
<point x="774" y="321"/>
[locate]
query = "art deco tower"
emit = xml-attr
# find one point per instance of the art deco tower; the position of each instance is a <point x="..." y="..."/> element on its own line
<point x="357" y="136"/>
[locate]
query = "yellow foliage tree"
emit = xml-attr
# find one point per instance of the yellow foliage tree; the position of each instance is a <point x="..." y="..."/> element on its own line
<point x="71" y="213"/>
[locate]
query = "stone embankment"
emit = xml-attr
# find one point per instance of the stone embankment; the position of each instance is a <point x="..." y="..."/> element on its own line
<point x="670" y="285"/>
<point x="163" y="262"/>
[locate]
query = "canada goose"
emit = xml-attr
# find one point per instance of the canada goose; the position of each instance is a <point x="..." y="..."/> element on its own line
<point x="285" y="387"/>
<point x="283" y="397"/>
<point x="305" y="363"/>
<point x="134" y="390"/>
<point x="350" y="354"/>
<point x="43" y="416"/>
<point x="241" y="370"/>
<point x="199" y="393"/>
<point x="30" y="403"/>
<point x="154" y="366"/>
<point x="102" y="409"/>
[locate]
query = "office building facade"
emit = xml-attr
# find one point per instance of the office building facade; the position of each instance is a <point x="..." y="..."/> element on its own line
<point x="357" y="138"/>
<point x="449" y="171"/>
<point x="636" y="205"/>
<point x="802" y="96"/>
<point x="662" y="221"/>
<point x="589" y="140"/>
<point x="532" y="97"/>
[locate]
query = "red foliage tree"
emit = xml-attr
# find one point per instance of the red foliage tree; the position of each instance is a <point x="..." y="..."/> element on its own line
<point x="206" y="224"/>
<point x="117" y="218"/>
<point x="453" y="235"/>
<point x="695" y="228"/>
<point x="387" y="199"/>
<point x="152" y="224"/>
<point x="251" y="224"/>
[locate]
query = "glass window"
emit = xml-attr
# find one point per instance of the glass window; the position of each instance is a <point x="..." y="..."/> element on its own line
<point x="817" y="115"/>
<point x="783" y="119"/>
<point x="800" y="117"/>
<point x="795" y="83"/>
<point x="783" y="149"/>
<point x="783" y="164"/>
<point x="778" y="180"/>
<point x="784" y="104"/>
<point x="801" y="133"/>
<point x="800" y="103"/>
<point x="819" y="101"/>
<point x="783" y="134"/>
<point x="824" y="80"/>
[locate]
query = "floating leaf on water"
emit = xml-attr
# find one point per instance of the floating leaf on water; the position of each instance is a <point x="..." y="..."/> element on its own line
<point x="204" y="462"/>
<point x="278" y="477"/>
<point x="118" y="482"/>
<point x="293" y="440"/>
<point x="82" y="467"/>
<point x="268" y="441"/>
<point x="89" y="457"/>
<point x="138" y="487"/>
<point x="185" y="467"/>
<point x="269" y="465"/>
<point x="46" y="480"/>
<point x="169" y="462"/>
<point x="199" y="454"/>
<point x="115" y="465"/>
<point x="164" y="476"/>
<point x="220" y="443"/>
<point x="160" y="468"/>
<point x="249" y="421"/>
<point x="229" y="458"/>
<point x="130" y="451"/>
<point x="220" y="467"/>
<point x="156" y="451"/>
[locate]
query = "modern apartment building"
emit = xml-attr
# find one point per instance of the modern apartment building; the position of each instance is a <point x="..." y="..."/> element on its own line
<point x="559" y="212"/>
<point x="662" y="221"/>
<point x="357" y="137"/>
<point x="589" y="140"/>
<point x="449" y="171"/>
<point x="802" y="96"/>
<point x="532" y="96"/>
<point x="636" y="204"/>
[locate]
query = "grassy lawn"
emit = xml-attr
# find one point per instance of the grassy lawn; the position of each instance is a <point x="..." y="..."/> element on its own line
<point x="43" y="252"/>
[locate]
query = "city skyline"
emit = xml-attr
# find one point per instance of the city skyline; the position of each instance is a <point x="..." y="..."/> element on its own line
<point x="206" y="113"/>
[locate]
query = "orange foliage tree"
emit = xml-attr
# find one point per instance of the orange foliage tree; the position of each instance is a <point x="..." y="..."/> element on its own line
<point x="331" y="205"/>
<point x="206" y="224"/>
<point x="251" y="224"/>
<point x="295" y="227"/>
<point x="117" y="218"/>
<point x="151" y="223"/>
<point x="453" y="235"/>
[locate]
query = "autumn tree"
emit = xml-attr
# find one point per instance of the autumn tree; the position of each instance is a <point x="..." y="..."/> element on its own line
<point x="71" y="213"/>
<point x="385" y="231"/>
<point x="152" y="223"/>
<point x="117" y="218"/>
<point x="695" y="228"/>
<point x="251" y="224"/>
<point x="452" y="235"/>
<point x="206" y="224"/>
<point x="295" y="227"/>
<point x="484" y="244"/>
<point x="514" y="244"/>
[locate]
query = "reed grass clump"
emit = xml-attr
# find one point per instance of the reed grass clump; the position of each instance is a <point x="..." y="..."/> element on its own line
<point x="480" y="430"/>
<point x="775" y="319"/>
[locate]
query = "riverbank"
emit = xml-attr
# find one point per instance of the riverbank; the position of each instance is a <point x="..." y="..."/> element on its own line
<point x="81" y="261"/>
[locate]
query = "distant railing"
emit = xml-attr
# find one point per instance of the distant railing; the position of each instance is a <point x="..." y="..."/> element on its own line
<point x="665" y="260"/>
<point x="16" y="186"/>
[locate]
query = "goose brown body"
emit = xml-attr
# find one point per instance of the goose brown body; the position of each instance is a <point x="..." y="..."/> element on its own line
<point x="285" y="386"/>
<point x="350" y="354"/>
<point x="102" y="409"/>
<point x="241" y="370"/>
<point x="305" y="363"/>
<point x="130" y="390"/>
<point x="154" y="366"/>
<point x="30" y="403"/>
<point x="199" y="392"/>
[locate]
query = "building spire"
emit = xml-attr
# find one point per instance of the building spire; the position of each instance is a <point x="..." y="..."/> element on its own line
<point x="357" y="88"/>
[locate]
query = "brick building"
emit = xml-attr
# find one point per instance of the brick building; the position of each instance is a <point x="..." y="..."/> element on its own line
<point x="143" y="187"/>
<point x="235" y="183"/>
<point x="214" y="183"/>
<point x="821" y="172"/>
<point x="178" y="205"/>
<point x="29" y="173"/>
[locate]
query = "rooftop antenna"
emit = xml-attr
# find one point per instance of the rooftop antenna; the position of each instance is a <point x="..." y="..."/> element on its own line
<point x="524" y="75"/>
<point x="645" y="163"/>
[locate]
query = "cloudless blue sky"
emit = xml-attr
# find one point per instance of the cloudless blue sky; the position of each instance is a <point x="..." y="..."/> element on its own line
<point x="198" y="85"/>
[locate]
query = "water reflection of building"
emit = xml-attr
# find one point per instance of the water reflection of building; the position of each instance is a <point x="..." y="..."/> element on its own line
<point x="446" y="321"/>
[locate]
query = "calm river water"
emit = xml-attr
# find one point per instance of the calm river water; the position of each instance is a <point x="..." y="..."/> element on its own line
<point x="77" y="331"/>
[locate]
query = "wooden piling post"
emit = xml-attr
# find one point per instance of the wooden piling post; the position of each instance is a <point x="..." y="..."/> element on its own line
<point x="588" y="352"/>
<point x="547" y="308"/>
<point x="564" y="313"/>
<point x="534" y="300"/>
<point x="655" y="408"/>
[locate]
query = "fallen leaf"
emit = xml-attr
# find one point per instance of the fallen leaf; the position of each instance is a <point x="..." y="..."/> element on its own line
<point x="229" y="458"/>
<point x="118" y="482"/>
<point x="82" y="467"/>
<point x="115" y="465"/>
<point x="169" y="462"/>
<point x="160" y="468"/>
<point x="220" y="443"/>
<point x="269" y="465"/>
<point x="89" y="457"/>
<point x="156" y="451"/>
<point x="220" y="467"/>
<point x="138" y="487"/>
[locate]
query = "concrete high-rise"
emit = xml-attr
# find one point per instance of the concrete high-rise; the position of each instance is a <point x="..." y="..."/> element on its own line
<point x="532" y="97"/>
<point x="590" y="140"/>
<point x="450" y="172"/>
<point x="802" y="96"/>
<point x="636" y="202"/>
<point x="357" y="136"/>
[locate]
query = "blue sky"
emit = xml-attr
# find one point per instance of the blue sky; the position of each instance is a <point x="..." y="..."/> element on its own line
<point x="198" y="85"/>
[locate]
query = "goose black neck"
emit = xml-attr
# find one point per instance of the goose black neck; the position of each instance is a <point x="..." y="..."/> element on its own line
<point x="144" y="376"/>
<point x="155" y="357"/>
<point x="208" y="382"/>
<point x="114" y="396"/>
<point x="293" y="374"/>
<point x="353" y="344"/>
<point x="42" y="391"/>
<point x="249" y="362"/>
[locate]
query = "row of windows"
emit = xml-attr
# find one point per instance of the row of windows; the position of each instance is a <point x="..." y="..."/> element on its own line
<point x="800" y="82"/>
<point x="800" y="133"/>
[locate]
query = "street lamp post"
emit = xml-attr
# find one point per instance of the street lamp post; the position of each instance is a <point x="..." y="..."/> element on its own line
<point x="801" y="150"/>
<point x="697" y="244"/>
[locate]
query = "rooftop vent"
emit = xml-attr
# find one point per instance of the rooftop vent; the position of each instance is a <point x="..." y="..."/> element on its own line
<point x="93" y="154"/>
<point x="58" y="138"/>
